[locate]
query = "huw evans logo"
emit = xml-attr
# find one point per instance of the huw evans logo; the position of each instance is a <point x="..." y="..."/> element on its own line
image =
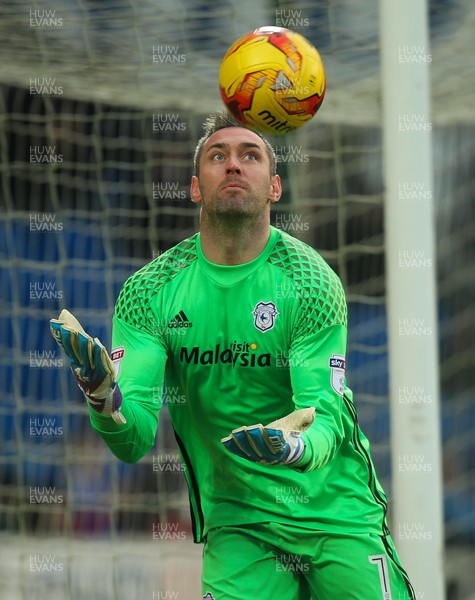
<point x="168" y="190"/>
<point x="167" y="122"/>
<point x="45" y="19"/>
<point x="45" y="154"/>
<point x="45" y="563"/>
<point x="240" y="354"/>
<point x="168" y="54"/>
<point x="45" y="86"/>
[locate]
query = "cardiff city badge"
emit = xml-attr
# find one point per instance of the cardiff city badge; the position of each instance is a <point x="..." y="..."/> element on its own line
<point x="264" y="315"/>
<point x="337" y="365"/>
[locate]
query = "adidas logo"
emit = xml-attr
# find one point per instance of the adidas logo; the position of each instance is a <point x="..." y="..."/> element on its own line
<point x="180" y="320"/>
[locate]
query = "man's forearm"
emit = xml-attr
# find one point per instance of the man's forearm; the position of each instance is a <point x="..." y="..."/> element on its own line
<point x="131" y="441"/>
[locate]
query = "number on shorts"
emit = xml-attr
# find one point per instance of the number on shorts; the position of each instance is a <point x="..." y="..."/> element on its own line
<point x="382" y="564"/>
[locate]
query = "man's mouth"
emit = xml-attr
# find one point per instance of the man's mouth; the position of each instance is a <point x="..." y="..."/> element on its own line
<point x="233" y="185"/>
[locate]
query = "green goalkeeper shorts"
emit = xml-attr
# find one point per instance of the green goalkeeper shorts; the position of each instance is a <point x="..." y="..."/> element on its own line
<point x="269" y="561"/>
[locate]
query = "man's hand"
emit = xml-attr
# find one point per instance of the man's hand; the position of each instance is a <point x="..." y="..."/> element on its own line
<point x="91" y="365"/>
<point x="279" y="442"/>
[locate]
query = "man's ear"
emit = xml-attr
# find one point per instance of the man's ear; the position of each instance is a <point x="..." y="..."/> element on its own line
<point x="275" y="191"/>
<point x="195" y="191"/>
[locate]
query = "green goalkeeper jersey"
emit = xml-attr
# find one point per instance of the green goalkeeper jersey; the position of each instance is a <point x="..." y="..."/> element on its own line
<point x="240" y="345"/>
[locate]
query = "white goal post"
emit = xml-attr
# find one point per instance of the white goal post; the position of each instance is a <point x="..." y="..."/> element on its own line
<point x="411" y="283"/>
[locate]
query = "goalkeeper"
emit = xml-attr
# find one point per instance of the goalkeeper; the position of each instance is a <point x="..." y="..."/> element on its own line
<point x="249" y="324"/>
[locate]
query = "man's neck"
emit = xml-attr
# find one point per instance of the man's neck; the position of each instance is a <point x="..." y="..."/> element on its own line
<point x="233" y="243"/>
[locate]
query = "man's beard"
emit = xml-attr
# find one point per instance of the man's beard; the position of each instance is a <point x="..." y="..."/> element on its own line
<point x="234" y="206"/>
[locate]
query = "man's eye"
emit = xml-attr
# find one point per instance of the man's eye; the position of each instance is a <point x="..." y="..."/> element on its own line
<point x="250" y="156"/>
<point x="217" y="156"/>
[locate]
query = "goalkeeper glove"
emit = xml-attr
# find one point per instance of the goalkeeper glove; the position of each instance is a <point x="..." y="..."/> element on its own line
<point x="279" y="442"/>
<point x="91" y="365"/>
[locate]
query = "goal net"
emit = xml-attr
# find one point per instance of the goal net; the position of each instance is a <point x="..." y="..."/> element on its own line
<point x="101" y="106"/>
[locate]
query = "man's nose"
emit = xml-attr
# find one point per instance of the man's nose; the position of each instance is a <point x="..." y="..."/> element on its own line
<point x="233" y="165"/>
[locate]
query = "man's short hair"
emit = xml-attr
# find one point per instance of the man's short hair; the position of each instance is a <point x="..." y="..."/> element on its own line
<point x="222" y="120"/>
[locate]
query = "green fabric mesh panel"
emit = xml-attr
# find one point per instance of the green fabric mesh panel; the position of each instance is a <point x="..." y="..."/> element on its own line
<point x="134" y="301"/>
<point x="322" y="295"/>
